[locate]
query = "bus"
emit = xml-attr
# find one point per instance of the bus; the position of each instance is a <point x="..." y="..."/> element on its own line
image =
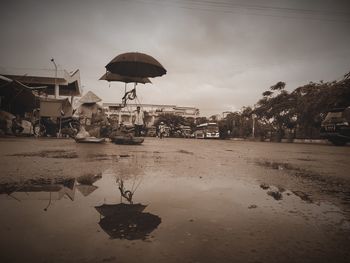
<point x="207" y="131"/>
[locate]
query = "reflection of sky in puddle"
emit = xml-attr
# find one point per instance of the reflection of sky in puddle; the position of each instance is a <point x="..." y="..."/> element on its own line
<point x="195" y="212"/>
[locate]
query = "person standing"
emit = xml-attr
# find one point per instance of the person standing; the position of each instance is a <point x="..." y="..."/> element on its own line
<point x="138" y="121"/>
<point x="161" y="129"/>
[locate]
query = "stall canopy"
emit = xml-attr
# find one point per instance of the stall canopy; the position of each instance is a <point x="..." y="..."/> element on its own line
<point x="68" y="82"/>
<point x="55" y="107"/>
<point x="15" y="97"/>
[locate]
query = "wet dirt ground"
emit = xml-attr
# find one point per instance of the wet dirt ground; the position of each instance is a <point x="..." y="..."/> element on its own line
<point x="192" y="201"/>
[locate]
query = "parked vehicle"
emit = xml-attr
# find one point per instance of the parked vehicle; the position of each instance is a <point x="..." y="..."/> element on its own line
<point x="48" y="126"/>
<point x="335" y="126"/>
<point x="186" y="131"/>
<point x="207" y="131"/>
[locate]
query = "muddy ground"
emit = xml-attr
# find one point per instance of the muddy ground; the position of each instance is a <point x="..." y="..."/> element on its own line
<point x="192" y="201"/>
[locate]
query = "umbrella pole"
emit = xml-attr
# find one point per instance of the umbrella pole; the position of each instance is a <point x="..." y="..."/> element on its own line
<point x="124" y="98"/>
<point x="135" y="91"/>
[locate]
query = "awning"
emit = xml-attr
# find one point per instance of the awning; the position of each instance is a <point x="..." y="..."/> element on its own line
<point x="16" y="97"/>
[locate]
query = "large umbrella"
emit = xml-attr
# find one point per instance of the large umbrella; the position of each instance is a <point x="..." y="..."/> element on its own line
<point x="134" y="64"/>
<point x="126" y="79"/>
<point x="128" y="95"/>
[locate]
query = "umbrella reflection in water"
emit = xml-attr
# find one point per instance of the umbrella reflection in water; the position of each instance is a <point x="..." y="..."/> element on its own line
<point x="127" y="221"/>
<point x="130" y="225"/>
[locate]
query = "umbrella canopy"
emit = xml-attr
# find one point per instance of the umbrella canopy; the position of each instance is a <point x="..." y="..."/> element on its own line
<point x="114" y="209"/>
<point x="130" y="226"/>
<point x="134" y="64"/>
<point x="116" y="77"/>
<point x="89" y="97"/>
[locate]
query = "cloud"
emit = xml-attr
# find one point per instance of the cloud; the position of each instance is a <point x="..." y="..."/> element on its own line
<point x="215" y="58"/>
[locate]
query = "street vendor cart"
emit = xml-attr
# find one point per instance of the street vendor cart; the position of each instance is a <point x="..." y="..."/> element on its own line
<point x="54" y="118"/>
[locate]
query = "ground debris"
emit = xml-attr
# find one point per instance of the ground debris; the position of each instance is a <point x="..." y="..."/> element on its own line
<point x="275" y="194"/>
<point x="112" y="258"/>
<point x="49" y="154"/>
<point x="252" y="206"/>
<point x="102" y="157"/>
<point x="281" y="189"/>
<point x="264" y="186"/>
<point x="303" y="196"/>
<point x="184" y="151"/>
<point x="276" y="165"/>
<point x="338" y="187"/>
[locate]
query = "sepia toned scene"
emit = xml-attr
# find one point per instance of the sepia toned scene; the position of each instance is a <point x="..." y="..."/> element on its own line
<point x="175" y="131"/>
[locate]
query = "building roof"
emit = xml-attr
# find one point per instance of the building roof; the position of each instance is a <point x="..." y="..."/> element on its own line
<point x="69" y="82"/>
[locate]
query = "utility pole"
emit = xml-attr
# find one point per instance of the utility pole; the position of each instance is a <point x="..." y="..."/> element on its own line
<point x="57" y="92"/>
<point x="253" y="117"/>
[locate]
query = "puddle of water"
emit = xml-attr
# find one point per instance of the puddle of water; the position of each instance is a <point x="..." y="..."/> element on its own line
<point x="171" y="219"/>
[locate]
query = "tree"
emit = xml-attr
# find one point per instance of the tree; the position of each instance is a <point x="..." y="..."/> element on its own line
<point x="276" y="109"/>
<point x="239" y="122"/>
<point x="313" y="100"/>
<point x="172" y="121"/>
<point x="201" y="120"/>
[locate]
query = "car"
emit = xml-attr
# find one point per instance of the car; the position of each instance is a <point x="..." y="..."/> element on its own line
<point x="186" y="131"/>
<point x="335" y="127"/>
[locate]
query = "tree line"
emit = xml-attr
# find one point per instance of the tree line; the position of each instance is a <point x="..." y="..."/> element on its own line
<point x="283" y="114"/>
<point x="278" y="113"/>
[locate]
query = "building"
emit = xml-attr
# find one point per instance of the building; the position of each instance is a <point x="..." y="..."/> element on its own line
<point x="125" y="114"/>
<point x="45" y="80"/>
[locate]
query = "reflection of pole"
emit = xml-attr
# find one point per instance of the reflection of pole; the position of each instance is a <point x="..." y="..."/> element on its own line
<point x="45" y="209"/>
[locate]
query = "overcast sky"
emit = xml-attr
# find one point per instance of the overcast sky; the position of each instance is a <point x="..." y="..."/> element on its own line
<point x="219" y="55"/>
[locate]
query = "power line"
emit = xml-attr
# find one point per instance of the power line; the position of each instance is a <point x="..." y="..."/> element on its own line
<point x="264" y="11"/>
<point x="261" y="7"/>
